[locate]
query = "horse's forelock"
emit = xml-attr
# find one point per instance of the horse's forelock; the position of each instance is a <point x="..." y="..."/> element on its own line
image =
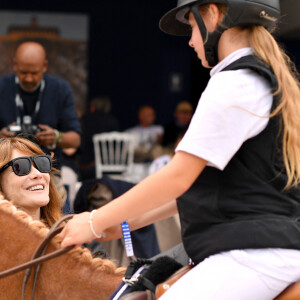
<point x="41" y="229"/>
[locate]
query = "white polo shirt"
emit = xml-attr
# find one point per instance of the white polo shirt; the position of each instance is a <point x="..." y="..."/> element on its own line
<point x="233" y="108"/>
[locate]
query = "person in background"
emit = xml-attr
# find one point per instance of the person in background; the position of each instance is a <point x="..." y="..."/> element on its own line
<point x="97" y="120"/>
<point x="161" y="159"/>
<point x="147" y="133"/>
<point x="236" y="171"/>
<point x="182" y="117"/>
<point x="35" y="102"/>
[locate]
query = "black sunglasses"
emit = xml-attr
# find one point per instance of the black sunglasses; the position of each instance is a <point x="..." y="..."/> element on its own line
<point x="22" y="165"/>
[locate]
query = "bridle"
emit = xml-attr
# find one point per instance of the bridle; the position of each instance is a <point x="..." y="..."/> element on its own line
<point x="39" y="257"/>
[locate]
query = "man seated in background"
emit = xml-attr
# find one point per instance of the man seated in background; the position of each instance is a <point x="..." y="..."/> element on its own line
<point x="147" y="133"/>
<point x="182" y="117"/>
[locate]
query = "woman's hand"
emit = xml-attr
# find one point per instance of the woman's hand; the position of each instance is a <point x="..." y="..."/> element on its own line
<point x="77" y="231"/>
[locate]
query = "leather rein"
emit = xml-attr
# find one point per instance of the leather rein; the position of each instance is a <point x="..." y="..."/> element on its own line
<point x="39" y="257"/>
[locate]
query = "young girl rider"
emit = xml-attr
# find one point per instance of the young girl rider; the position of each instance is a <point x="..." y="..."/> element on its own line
<point x="236" y="172"/>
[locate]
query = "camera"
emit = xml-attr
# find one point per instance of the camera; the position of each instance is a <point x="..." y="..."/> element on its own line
<point x="26" y="127"/>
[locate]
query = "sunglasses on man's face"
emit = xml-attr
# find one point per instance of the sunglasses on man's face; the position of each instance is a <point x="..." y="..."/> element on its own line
<point x="22" y="165"/>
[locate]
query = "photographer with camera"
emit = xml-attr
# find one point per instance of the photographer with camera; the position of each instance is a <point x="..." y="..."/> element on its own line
<point x="38" y="103"/>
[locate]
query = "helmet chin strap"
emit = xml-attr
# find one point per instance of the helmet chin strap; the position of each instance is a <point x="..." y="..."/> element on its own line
<point x="210" y="40"/>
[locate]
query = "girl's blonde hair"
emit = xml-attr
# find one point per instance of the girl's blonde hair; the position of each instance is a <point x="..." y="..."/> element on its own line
<point x="267" y="49"/>
<point x="52" y="212"/>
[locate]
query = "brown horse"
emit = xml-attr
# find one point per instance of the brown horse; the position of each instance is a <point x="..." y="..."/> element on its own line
<point x="75" y="275"/>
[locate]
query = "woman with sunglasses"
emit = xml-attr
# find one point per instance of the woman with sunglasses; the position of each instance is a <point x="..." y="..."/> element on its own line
<point x="25" y="179"/>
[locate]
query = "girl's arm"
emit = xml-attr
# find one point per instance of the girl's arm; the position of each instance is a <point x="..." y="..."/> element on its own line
<point x="157" y="214"/>
<point x="160" y="213"/>
<point x="154" y="191"/>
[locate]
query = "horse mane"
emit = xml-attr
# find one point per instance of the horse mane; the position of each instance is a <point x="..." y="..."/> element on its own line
<point x="39" y="228"/>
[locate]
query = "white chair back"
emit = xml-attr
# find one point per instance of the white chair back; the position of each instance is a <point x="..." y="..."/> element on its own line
<point x="114" y="153"/>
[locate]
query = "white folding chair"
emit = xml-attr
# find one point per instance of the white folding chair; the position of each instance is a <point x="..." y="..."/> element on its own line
<point x="114" y="152"/>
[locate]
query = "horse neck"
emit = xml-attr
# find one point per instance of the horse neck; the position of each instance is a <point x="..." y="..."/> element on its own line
<point x="70" y="278"/>
<point x="65" y="277"/>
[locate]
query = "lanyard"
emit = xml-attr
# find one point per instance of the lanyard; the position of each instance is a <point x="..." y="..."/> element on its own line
<point x="20" y="104"/>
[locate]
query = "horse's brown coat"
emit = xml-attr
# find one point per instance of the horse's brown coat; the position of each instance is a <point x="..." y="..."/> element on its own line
<point x="75" y="275"/>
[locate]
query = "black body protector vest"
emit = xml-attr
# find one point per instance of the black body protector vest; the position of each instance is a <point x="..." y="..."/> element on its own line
<point x="243" y="206"/>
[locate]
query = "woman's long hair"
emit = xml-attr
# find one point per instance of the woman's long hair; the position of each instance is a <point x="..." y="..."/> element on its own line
<point x="53" y="210"/>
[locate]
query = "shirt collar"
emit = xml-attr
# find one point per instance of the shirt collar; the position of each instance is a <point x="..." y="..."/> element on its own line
<point x="230" y="59"/>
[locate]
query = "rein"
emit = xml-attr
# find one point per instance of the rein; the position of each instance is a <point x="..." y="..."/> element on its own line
<point x="39" y="256"/>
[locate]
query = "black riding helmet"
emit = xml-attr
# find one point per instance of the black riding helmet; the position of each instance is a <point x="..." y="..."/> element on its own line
<point x="239" y="12"/>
